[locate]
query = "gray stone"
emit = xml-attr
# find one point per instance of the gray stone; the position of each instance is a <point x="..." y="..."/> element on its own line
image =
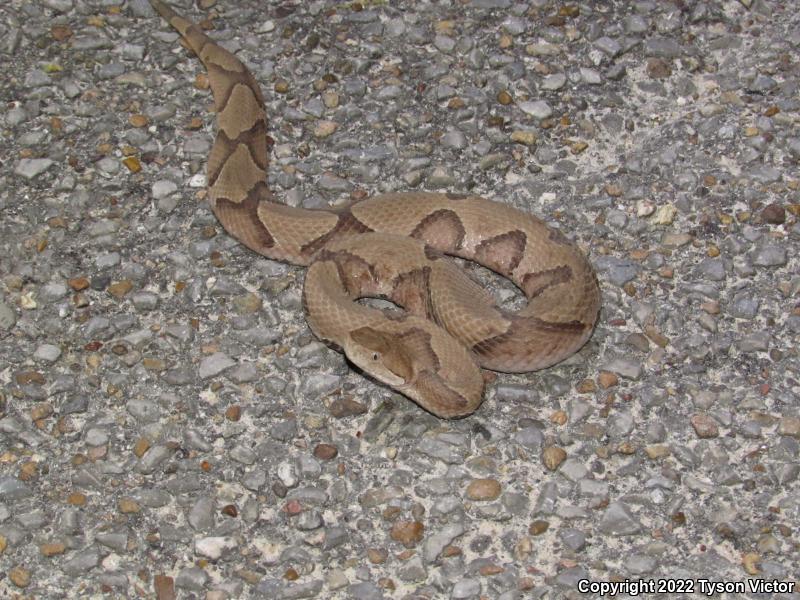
<point x="8" y="318"/>
<point x="466" y="588"/>
<point x="82" y="562"/>
<point x="213" y="365"/>
<point x="554" y="82"/>
<point x="769" y="255"/>
<point x="191" y="578"/>
<point x="434" y="544"/>
<point x="30" y="168"/>
<point x="47" y="353"/>
<point x="201" y="515"/>
<point x="618" y="520"/>
<point x="538" y="109"/>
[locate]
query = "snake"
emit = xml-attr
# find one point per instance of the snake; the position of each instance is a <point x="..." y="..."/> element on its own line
<point x="443" y="328"/>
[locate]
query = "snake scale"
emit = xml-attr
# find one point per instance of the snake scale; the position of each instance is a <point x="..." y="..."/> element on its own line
<point x="392" y="246"/>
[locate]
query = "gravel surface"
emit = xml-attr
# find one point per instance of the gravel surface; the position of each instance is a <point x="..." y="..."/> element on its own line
<point x="169" y="427"/>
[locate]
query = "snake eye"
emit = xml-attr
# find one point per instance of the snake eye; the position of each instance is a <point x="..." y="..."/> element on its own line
<point x="375" y="356"/>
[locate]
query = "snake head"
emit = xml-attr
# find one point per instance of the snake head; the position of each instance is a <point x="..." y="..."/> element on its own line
<point x="379" y="354"/>
<point x="448" y="384"/>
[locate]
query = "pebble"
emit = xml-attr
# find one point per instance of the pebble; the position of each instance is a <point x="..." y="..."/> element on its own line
<point x="434" y="544"/>
<point x="483" y="489"/>
<point x="47" y="353"/>
<point x="769" y="255"/>
<point x="213" y="547"/>
<point x="538" y="109"/>
<point x="30" y="168"/>
<point x="704" y="426"/>
<point x="213" y="365"/>
<point x="618" y="520"/>
<point x="408" y="533"/>
<point x="8" y="317"/>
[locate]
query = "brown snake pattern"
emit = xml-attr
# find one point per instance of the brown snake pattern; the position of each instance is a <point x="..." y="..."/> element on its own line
<point x="390" y="246"/>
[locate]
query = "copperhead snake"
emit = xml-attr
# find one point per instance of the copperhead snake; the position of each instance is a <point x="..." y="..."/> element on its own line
<point x="391" y="246"/>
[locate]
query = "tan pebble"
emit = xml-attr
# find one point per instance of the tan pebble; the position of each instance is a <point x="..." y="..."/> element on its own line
<point x="645" y="208"/>
<point x="665" y="214"/>
<point x="773" y="214"/>
<point x="553" y="456"/>
<point x="526" y="138"/>
<point x="128" y="506"/>
<point x="76" y="499"/>
<point x="789" y="426"/>
<point x="120" y="289"/>
<point x="52" y="548"/>
<point x="94" y="360"/>
<point x="713" y="251"/>
<point x="248" y="304"/>
<point x="626" y="448"/>
<point x="326" y="451"/>
<point x="153" y="364"/>
<point x="456" y="103"/>
<point x="506" y="41"/>
<point x="488" y="570"/>
<point x="408" y="533"/>
<point x="247" y="575"/>
<point x="386" y="583"/>
<point x="78" y="284"/>
<point x="132" y="164"/>
<point x="377" y="556"/>
<point x="281" y="86"/>
<point x="41" y="411"/>
<point x="3" y="543"/>
<point x="28" y="471"/>
<point x="20" y="576"/>
<point x="559" y="417"/>
<point x="28" y="301"/>
<point x="743" y="216"/>
<point x="658" y="68"/>
<point x="138" y="120"/>
<point x="450" y="551"/>
<point x="324" y="128"/>
<point x="750" y="562"/>
<point x="330" y="99"/>
<point x="504" y="98"/>
<point x="587" y="386"/>
<point x="607" y="379"/>
<point x="578" y="147"/>
<point x="483" y="489"/>
<point x="751" y="131"/>
<point x="613" y="190"/>
<point x="656" y="337"/>
<point x="711" y="307"/>
<point x="655" y="451"/>
<point x="141" y="446"/>
<point x="704" y="426"/>
<point x="538" y="527"/>
<point x="445" y="27"/>
<point x="164" y="587"/>
<point x="60" y="32"/>
<point x="233" y="412"/>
